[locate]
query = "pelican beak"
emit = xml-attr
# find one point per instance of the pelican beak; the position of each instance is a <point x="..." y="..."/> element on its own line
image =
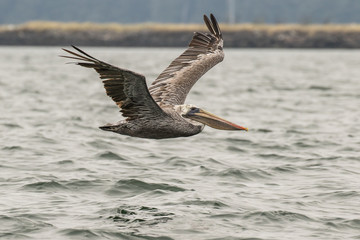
<point x="212" y="120"/>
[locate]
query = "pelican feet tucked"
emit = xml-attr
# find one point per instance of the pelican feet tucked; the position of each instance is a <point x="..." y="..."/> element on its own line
<point x="159" y="111"/>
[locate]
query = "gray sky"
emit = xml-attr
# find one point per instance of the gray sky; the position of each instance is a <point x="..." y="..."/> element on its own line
<point x="184" y="11"/>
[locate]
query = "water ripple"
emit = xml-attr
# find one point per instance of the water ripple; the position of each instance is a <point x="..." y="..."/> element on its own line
<point x="135" y="186"/>
<point x="20" y="226"/>
<point x="210" y="203"/>
<point x="295" y="174"/>
<point x="45" y="186"/>
<point x="131" y="216"/>
<point x="276" y="216"/>
<point x="110" y="155"/>
<point x="79" y="233"/>
<point x="244" y="174"/>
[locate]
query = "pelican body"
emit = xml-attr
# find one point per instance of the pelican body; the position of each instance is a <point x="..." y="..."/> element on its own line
<point x="159" y="111"/>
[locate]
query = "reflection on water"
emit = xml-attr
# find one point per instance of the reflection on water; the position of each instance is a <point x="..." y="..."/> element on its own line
<point x="295" y="173"/>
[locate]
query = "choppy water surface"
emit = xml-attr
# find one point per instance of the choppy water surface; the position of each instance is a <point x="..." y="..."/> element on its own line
<point x="294" y="175"/>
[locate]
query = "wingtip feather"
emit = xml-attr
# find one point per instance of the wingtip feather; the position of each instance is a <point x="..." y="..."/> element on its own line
<point x="212" y="25"/>
<point x="215" y="25"/>
<point x="208" y="24"/>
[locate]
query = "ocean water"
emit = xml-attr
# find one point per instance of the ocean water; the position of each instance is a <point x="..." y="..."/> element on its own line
<point x="294" y="175"/>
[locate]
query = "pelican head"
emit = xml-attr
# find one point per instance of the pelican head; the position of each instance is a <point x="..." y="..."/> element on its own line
<point x="197" y="114"/>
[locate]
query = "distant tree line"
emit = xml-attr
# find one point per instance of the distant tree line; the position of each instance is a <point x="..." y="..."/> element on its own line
<point x="175" y="35"/>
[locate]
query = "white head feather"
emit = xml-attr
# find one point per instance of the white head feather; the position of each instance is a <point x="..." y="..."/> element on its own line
<point x="184" y="108"/>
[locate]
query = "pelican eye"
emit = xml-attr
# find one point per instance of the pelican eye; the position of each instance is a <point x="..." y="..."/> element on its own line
<point x="193" y="110"/>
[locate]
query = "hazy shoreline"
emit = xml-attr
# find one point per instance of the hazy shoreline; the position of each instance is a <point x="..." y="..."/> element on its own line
<point x="179" y="35"/>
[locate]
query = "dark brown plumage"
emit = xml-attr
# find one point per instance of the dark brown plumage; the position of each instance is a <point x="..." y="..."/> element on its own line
<point x="160" y="112"/>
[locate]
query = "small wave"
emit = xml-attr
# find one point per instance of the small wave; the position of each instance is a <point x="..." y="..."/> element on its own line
<point x="12" y="148"/>
<point x="236" y="149"/>
<point x="341" y="194"/>
<point x="79" y="233"/>
<point x="88" y="185"/>
<point x="225" y="215"/>
<point x="244" y="174"/>
<point x="213" y="161"/>
<point x="137" y="184"/>
<point x="321" y="88"/>
<point x="284" y="169"/>
<point x="330" y="158"/>
<point x="12" y="125"/>
<point x="76" y="118"/>
<point x="14" y="236"/>
<point x="239" y="140"/>
<point x="285" y="88"/>
<point x="130" y="236"/>
<point x="251" y="90"/>
<point x="99" y="144"/>
<point x="141" y="236"/>
<point x="110" y="155"/>
<point x="52" y="185"/>
<point x="132" y="216"/>
<point x="236" y="238"/>
<point x="134" y="187"/>
<point x="65" y="162"/>
<point x="341" y="223"/>
<point x="45" y="139"/>
<point x="263" y="130"/>
<point x="212" y="203"/>
<point x="304" y="145"/>
<point x="353" y="223"/>
<point x="276" y="216"/>
<point x="19" y="225"/>
<point x="272" y="156"/>
<point x="296" y="131"/>
<point x="180" y="162"/>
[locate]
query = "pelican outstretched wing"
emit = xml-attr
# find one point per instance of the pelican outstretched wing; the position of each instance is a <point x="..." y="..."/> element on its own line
<point x="128" y="89"/>
<point x="205" y="51"/>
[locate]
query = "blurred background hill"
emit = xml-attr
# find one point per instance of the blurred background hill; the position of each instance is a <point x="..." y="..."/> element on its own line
<point x="181" y="11"/>
<point x="171" y="23"/>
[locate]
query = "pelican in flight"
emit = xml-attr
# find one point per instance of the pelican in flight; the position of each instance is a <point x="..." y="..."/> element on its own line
<point x="159" y="111"/>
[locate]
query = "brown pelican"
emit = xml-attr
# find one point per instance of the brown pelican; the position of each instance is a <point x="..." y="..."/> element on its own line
<point x="159" y="111"/>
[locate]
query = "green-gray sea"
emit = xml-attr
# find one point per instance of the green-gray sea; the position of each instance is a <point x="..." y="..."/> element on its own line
<point x="294" y="175"/>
